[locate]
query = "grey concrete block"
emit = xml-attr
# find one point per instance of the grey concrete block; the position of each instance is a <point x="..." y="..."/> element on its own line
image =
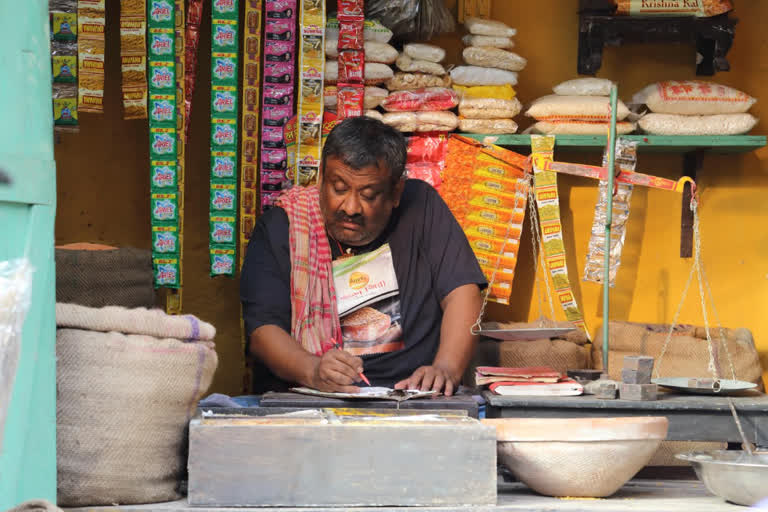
<point x="638" y="363"/>
<point x="638" y="391"/>
<point x="635" y="376"/>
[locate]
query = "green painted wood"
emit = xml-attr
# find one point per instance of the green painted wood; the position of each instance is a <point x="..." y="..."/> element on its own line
<point x="648" y="143"/>
<point x="27" y="212"/>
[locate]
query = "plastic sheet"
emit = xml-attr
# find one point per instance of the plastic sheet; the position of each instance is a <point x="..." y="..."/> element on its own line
<point x="417" y="20"/>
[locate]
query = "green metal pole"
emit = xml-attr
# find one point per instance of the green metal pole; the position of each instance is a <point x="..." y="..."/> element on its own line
<point x="608" y="222"/>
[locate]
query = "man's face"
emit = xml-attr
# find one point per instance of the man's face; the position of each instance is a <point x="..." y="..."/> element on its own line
<point x="357" y="203"/>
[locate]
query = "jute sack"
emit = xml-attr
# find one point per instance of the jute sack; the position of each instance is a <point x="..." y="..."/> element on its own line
<point x="97" y="275"/>
<point x="128" y="383"/>
<point x="567" y="353"/>
<point x="686" y="356"/>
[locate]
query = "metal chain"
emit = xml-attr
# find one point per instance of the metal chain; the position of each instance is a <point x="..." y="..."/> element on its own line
<point x="475" y="329"/>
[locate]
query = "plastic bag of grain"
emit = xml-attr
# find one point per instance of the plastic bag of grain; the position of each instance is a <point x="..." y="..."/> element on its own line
<point x="489" y="108"/>
<point x="409" y="65"/>
<point x="404" y="81"/>
<point x="693" y="97"/>
<point x="427" y="99"/>
<point x="482" y="27"/>
<point x="476" y="75"/>
<point x="420" y="51"/>
<point x="584" y="87"/>
<point x="374" y="51"/>
<point x="422" y="121"/>
<point x="718" y="124"/>
<point x="493" y="58"/>
<point x="375" y="72"/>
<point x="499" y="92"/>
<point x="492" y="41"/>
<point x="375" y="114"/>
<point x="581" y="108"/>
<point x="487" y="125"/>
<point x="580" y="128"/>
<point x="373" y="96"/>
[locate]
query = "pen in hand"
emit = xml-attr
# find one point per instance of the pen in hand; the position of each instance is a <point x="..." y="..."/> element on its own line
<point x="365" y="379"/>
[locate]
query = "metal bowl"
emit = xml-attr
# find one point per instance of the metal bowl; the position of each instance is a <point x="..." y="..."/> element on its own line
<point x="733" y="475"/>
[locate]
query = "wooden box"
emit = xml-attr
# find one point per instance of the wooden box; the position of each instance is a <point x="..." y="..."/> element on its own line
<point x="342" y="458"/>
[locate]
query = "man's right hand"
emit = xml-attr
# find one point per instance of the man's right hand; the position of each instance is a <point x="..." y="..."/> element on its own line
<point x="336" y="371"/>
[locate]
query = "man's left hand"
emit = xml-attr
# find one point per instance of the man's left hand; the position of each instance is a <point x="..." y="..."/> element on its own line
<point x="430" y="378"/>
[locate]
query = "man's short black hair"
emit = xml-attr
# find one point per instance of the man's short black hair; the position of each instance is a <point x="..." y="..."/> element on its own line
<point x="363" y="141"/>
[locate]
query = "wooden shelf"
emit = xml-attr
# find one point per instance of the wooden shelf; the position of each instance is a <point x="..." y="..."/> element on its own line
<point x="646" y="143"/>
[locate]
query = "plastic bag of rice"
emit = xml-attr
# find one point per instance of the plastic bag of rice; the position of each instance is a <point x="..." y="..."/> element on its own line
<point x="584" y="87"/>
<point x="373" y="96"/>
<point x="420" y="51"/>
<point x="717" y="124"/>
<point x="501" y="92"/>
<point x="580" y="128"/>
<point x="422" y="121"/>
<point x="405" y="81"/>
<point x="579" y="108"/>
<point x="693" y="97"/>
<point x="375" y="72"/>
<point x="492" y="41"/>
<point x="489" y="108"/>
<point x="481" y="27"/>
<point x="487" y="125"/>
<point x="375" y="114"/>
<point x="409" y="65"/>
<point x="476" y="75"/>
<point x="493" y="58"/>
<point x="374" y="51"/>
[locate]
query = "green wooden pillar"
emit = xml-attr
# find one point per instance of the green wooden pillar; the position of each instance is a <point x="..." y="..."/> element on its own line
<point x="27" y="211"/>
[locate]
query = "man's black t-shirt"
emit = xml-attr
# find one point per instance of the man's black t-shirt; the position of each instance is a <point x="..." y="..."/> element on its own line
<point x="431" y="257"/>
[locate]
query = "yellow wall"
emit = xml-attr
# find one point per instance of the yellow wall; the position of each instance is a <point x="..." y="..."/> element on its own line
<point x="104" y="187"/>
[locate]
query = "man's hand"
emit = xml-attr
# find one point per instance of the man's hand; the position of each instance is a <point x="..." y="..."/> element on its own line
<point x="336" y="371"/>
<point x="430" y="378"/>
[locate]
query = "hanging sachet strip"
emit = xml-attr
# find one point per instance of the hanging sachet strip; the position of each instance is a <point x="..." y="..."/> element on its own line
<point x="351" y="60"/>
<point x="90" y="65"/>
<point x="548" y="204"/>
<point x="164" y="184"/>
<point x="223" y="189"/>
<point x="249" y="124"/>
<point x="65" y="63"/>
<point x="626" y="159"/>
<point x="173" y="302"/>
<point x="277" y="97"/>
<point x="310" y="110"/>
<point x="133" y="58"/>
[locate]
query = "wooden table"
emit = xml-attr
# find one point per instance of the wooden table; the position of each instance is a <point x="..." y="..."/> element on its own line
<point x="637" y="495"/>
<point x="297" y="400"/>
<point x="691" y="417"/>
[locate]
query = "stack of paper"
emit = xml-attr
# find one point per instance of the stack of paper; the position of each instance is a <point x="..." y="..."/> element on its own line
<point x="532" y="381"/>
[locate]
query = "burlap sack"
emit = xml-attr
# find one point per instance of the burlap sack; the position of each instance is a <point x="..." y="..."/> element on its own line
<point x="687" y="354"/>
<point x="124" y="401"/>
<point x="101" y="276"/>
<point x="560" y="355"/>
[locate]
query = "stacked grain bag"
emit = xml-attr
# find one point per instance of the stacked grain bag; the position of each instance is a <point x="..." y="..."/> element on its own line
<point x="489" y="63"/>
<point x="379" y="55"/>
<point x="695" y="108"/>
<point x="421" y="99"/>
<point x="579" y="107"/>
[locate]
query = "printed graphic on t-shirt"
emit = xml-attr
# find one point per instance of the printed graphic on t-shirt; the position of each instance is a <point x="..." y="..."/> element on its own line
<point x="368" y="300"/>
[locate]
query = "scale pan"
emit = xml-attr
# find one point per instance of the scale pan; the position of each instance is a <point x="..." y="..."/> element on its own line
<point x="727" y="386"/>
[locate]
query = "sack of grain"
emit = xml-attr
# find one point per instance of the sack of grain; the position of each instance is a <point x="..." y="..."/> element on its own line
<point x="693" y="97"/>
<point x="420" y="51"/>
<point x="498" y="92"/>
<point x="422" y="121"/>
<point x="374" y="51"/>
<point x="498" y="126"/>
<point x="482" y="27"/>
<point x="719" y="124"/>
<point x="584" y="87"/>
<point x="489" y="108"/>
<point x="492" y="41"/>
<point x="493" y="58"/>
<point x="375" y="114"/>
<point x="580" y="128"/>
<point x="409" y="65"/>
<point x="375" y="72"/>
<point x="405" y="81"/>
<point x="97" y="275"/>
<point x="580" y="108"/>
<point x="475" y="75"/>
<point x="428" y="98"/>
<point x="128" y="381"/>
